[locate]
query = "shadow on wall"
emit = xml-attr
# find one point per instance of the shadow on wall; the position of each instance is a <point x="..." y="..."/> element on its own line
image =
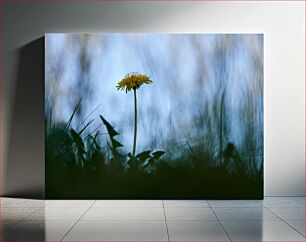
<point x="24" y="170"/>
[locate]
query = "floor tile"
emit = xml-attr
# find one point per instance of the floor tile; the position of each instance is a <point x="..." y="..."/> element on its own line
<point x="244" y="214"/>
<point x="235" y="203"/>
<point x="39" y="230"/>
<point x="118" y="231"/>
<point x="261" y="231"/>
<point x="189" y="214"/>
<point x="139" y="220"/>
<point x="300" y="200"/>
<point x="22" y="203"/>
<point x="185" y="203"/>
<point x="281" y="202"/>
<point x="16" y="213"/>
<point x="4" y="224"/>
<point x="129" y="203"/>
<point x="298" y="225"/>
<point x="57" y="213"/>
<point x="7" y="228"/>
<point x="70" y="203"/>
<point x="289" y="212"/>
<point x="124" y="214"/>
<point x="196" y="231"/>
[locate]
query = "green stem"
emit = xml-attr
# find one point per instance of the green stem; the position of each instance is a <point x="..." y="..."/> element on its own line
<point x="135" y="123"/>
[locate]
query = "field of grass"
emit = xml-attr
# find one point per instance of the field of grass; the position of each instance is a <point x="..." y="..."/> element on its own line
<point x="77" y="166"/>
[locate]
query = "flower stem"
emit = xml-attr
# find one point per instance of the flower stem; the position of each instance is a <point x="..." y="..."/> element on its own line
<point x="135" y="123"/>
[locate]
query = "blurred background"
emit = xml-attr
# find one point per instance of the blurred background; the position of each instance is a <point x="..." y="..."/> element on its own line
<point x="207" y="90"/>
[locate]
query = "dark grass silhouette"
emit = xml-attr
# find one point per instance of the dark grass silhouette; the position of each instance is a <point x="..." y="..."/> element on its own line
<point x="77" y="166"/>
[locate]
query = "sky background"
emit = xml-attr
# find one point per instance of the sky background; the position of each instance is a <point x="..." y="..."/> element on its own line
<point x="189" y="72"/>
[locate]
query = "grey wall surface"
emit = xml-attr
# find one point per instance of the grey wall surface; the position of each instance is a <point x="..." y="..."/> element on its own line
<point x="24" y="25"/>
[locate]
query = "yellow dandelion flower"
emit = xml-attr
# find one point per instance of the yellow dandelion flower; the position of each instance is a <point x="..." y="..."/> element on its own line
<point x="133" y="81"/>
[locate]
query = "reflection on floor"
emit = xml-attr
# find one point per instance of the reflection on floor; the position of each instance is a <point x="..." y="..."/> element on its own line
<point x="274" y="219"/>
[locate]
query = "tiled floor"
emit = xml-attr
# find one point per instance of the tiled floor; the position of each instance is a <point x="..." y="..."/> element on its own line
<point x="274" y="219"/>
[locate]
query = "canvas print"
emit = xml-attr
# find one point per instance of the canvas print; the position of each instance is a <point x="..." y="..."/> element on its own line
<point x="152" y="116"/>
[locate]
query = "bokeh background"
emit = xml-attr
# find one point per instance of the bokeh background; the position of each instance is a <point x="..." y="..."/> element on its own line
<point x="207" y="90"/>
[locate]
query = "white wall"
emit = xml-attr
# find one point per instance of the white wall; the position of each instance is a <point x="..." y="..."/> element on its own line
<point x="283" y="25"/>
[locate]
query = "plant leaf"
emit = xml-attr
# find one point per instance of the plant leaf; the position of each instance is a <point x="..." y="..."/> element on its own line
<point x="72" y="115"/>
<point x="143" y="155"/>
<point x="79" y="143"/>
<point x="111" y="131"/>
<point x="158" y="154"/>
<point x="116" y="144"/>
<point x="82" y="130"/>
<point x="117" y="157"/>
